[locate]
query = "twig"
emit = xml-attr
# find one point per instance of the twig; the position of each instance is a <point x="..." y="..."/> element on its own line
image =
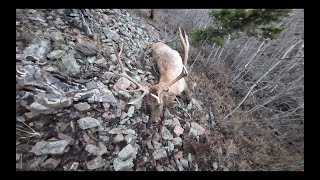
<point x="183" y="108"/>
<point x="28" y="132"/>
<point x="34" y="132"/>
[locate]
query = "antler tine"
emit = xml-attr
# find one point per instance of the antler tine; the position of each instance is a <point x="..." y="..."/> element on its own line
<point x="183" y="74"/>
<point x="185" y="43"/>
<point x="124" y="74"/>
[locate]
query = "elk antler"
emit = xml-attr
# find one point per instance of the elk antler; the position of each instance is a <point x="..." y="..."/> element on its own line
<point x="124" y="74"/>
<point x="183" y="74"/>
<point x="185" y="43"/>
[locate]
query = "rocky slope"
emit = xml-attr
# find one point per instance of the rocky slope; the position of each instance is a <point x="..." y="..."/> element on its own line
<point x="72" y="116"/>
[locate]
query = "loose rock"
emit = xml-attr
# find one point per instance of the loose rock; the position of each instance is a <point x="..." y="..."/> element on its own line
<point x="120" y="165"/>
<point x="82" y="106"/>
<point x="159" y="153"/>
<point x="50" y="163"/>
<point x="56" y="54"/>
<point x="196" y="129"/>
<point x="96" y="163"/>
<point x="50" y="147"/>
<point x="87" y="49"/>
<point x="178" y="130"/>
<point x="166" y="134"/>
<point x="88" y="122"/>
<point x="127" y="152"/>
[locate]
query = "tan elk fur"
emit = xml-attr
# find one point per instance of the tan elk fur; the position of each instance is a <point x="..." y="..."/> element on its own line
<point x="172" y="69"/>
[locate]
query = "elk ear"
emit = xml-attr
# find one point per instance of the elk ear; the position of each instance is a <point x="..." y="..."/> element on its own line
<point x="156" y="97"/>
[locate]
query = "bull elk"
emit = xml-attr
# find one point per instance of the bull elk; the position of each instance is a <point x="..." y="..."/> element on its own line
<point x="172" y="72"/>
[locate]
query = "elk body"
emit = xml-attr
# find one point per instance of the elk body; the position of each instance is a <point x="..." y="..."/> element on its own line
<point x="172" y="71"/>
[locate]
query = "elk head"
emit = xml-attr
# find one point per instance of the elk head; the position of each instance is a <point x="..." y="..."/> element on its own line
<point x="172" y="72"/>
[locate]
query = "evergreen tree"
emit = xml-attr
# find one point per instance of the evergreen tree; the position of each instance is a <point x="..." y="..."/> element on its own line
<point x="253" y="22"/>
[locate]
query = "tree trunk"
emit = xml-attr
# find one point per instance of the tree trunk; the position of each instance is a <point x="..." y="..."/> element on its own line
<point x="152" y="14"/>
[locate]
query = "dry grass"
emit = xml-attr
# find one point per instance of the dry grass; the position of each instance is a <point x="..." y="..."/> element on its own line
<point x="242" y="142"/>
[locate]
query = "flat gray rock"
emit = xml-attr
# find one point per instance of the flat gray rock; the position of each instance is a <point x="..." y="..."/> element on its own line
<point x="88" y="122"/>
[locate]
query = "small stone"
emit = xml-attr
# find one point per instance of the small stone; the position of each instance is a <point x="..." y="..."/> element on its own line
<point x="167" y="114"/>
<point x="178" y="130"/>
<point x="176" y="122"/>
<point x="104" y="138"/>
<point x="149" y="144"/>
<point x="159" y="167"/>
<point x="129" y="138"/>
<point x="196" y="129"/>
<point x="31" y="114"/>
<point x="100" y="61"/>
<point x="112" y="35"/>
<point x="121" y="105"/>
<point x="215" y="166"/>
<point x="156" y="137"/>
<point x="127" y="152"/>
<point x="105" y="17"/>
<point x="82" y="106"/>
<point x="137" y="78"/>
<point x="118" y="138"/>
<point x="63" y="136"/>
<point x="50" y="147"/>
<point x="73" y="14"/>
<point x="156" y="145"/>
<point x="39" y="108"/>
<point x="130" y="111"/>
<point x="128" y="131"/>
<point x="71" y="64"/>
<point x="107" y="115"/>
<point x="91" y="59"/>
<point x="123" y="121"/>
<point x="92" y="149"/>
<point x="120" y="165"/>
<point x="18" y="156"/>
<point x="121" y="84"/>
<point x="110" y="147"/>
<point x="170" y="146"/>
<point x="113" y="57"/>
<point x="151" y="77"/>
<point x="39" y="50"/>
<point x="88" y="122"/>
<point x="57" y="36"/>
<point x="124" y="93"/>
<point x="87" y="49"/>
<point x="96" y="163"/>
<point x="140" y="71"/>
<point x="159" y="153"/>
<point x="180" y="167"/>
<point x="106" y="106"/>
<point x="190" y="157"/>
<point x="123" y="115"/>
<point x="36" y="161"/>
<point x="50" y="163"/>
<point x="56" y="54"/>
<point x="167" y="122"/>
<point x="177" y="141"/>
<point x="74" y="166"/>
<point x="115" y="131"/>
<point x="184" y="163"/>
<point x="166" y="134"/>
<point x="178" y="155"/>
